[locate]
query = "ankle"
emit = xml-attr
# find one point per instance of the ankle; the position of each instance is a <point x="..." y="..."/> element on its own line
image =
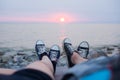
<point x="45" y="57"/>
<point x="75" y="57"/>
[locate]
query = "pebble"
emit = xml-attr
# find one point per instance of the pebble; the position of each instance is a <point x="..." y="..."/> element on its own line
<point x="2" y="53"/>
<point x="96" y="53"/>
<point x="6" y="58"/>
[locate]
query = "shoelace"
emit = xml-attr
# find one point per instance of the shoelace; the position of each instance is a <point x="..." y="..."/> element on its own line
<point x="53" y="55"/>
<point x="41" y="49"/>
<point x="83" y="52"/>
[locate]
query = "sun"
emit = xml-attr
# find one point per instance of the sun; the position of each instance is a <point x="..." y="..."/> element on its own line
<point x="62" y="19"/>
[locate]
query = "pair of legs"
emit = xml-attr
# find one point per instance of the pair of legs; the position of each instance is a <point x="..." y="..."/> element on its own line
<point x="44" y="65"/>
<point x="47" y="62"/>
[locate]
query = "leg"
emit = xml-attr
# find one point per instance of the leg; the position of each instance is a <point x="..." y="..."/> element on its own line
<point x="72" y="56"/>
<point x="7" y="71"/>
<point x="76" y="58"/>
<point x="47" y="63"/>
<point x="44" y="65"/>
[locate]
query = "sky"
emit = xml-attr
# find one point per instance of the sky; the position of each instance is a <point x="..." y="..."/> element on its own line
<point x="79" y="11"/>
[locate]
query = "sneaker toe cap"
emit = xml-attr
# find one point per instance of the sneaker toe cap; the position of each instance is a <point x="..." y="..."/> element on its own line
<point x="39" y="42"/>
<point x="67" y="40"/>
<point x="55" y="47"/>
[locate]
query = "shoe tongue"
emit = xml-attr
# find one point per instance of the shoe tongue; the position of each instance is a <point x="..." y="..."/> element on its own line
<point x="56" y="48"/>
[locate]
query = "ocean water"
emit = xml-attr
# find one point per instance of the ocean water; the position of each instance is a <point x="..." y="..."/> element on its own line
<point x="26" y="34"/>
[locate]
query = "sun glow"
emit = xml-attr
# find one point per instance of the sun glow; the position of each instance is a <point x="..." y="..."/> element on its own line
<point x="62" y="19"/>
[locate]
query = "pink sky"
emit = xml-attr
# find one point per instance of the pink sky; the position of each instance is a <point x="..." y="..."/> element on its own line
<point x="95" y="11"/>
<point x="54" y="18"/>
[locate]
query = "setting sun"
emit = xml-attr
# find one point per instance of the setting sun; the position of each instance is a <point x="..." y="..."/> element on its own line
<point x="62" y="19"/>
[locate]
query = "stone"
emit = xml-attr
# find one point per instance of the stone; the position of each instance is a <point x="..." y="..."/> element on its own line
<point x="0" y="59"/>
<point x="116" y="51"/>
<point x="2" y="65"/>
<point x="2" y="53"/>
<point x="23" y="64"/>
<point x="15" y="67"/>
<point x="4" y="49"/>
<point x="10" y="63"/>
<point x="95" y="54"/>
<point x="62" y="61"/>
<point x="11" y="54"/>
<point x="34" y="51"/>
<point x="30" y="58"/>
<point x="18" y="59"/>
<point x="29" y="53"/>
<point x="6" y="58"/>
<point x="21" y="53"/>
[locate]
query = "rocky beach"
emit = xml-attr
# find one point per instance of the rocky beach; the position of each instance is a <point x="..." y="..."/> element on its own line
<point x="18" y="58"/>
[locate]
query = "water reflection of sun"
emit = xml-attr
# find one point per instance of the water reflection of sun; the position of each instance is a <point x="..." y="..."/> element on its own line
<point x="63" y="34"/>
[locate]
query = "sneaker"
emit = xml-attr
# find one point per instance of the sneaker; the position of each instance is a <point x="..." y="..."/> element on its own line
<point x="40" y="49"/>
<point x="54" y="55"/>
<point x="69" y="50"/>
<point x="83" y="49"/>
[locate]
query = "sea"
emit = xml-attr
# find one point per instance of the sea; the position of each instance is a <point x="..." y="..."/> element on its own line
<point x="25" y="35"/>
